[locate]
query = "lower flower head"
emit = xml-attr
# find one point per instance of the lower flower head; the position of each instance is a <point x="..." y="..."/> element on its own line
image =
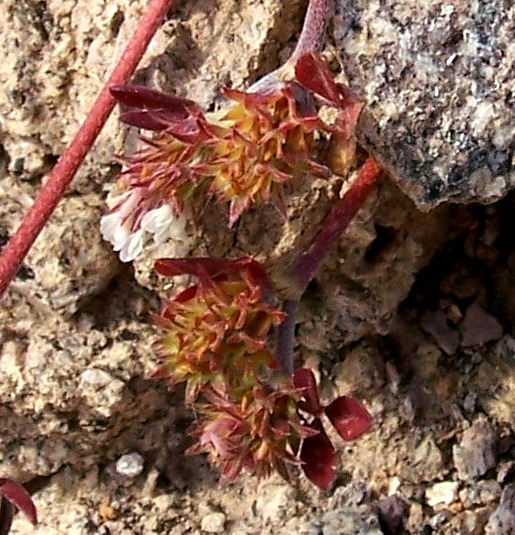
<point x="258" y="432"/>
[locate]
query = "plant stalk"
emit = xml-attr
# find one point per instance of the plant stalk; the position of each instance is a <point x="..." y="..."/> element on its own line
<point x="65" y="169"/>
<point x="306" y="264"/>
<point x="286" y="336"/>
<point x="311" y="39"/>
<point x="312" y="36"/>
<point x="304" y="267"/>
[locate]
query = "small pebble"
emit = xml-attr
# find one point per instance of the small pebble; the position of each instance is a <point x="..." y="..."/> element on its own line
<point x="213" y="523"/>
<point x="130" y="465"/>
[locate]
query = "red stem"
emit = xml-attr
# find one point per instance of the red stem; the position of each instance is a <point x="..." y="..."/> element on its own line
<point x="62" y="174"/>
<point x="312" y="37"/>
<point x="307" y="263"/>
<point x="305" y="266"/>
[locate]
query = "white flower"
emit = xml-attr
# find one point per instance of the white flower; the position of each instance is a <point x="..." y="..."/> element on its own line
<point x="163" y="223"/>
<point x="114" y="230"/>
<point x="117" y="227"/>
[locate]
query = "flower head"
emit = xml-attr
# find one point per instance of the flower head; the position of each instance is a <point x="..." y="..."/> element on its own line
<point x="216" y="330"/>
<point x="251" y="151"/>
<point x="258" y="431"/>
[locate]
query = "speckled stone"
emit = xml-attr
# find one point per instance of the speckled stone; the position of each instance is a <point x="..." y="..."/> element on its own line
<point x="502" y="520"/>
<point x="476" y="452"/>
<point x="361" y="520"/>
<point x="438" y="81"/>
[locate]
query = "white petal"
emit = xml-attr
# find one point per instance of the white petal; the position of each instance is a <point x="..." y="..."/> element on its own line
<point x="177" y="228"/>
<point x="108" y="226"/>
<point x="154" y="220"/>
<point x="121" y="237"/>
<point x="132" y="247"/>
<point x="163" y="223"/>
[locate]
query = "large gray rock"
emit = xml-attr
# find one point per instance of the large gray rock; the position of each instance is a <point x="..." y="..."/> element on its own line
<point x="438" y="80"/>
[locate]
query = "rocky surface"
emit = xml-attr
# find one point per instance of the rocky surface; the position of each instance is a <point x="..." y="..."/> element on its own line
<point x="438" y="78"/>
<point x="414" y="312"/>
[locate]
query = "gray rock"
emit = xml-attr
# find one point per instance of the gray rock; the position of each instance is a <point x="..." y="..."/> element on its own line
<point x="475" y="454"/>
<point x="355" y="493"/>
<point x="424" y="460"/>
<point x="358" y="520"/>
<point x="505" y="348"/>
<point x="479" y="327"/>
<point x="437" y="77"/>
<point x="502" y="521"/>
<point x="435" y="323"/>
<point x="480" y="493"/>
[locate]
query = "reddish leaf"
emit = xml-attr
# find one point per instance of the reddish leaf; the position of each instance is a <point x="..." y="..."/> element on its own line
<point x="249" y="100"/>
<point x="200" y="267"/>
<point x="188" y="131"/>
<point x="314" y="75"/>
<point x="137" y="96"/>
<point x="19" y="497"/>
<point x="319" y="457"/>
<point x="349" y="417"/>
<point x="205" y="268"/>
<point x="152" y="120"/>
<point x="304" y="378"/>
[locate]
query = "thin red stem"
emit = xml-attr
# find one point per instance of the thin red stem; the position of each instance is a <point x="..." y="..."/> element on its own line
<point x="286" y="336"/>
<point x="307" y="263"/>
<point x="312" y="37"/>
<point x="62" y="174"/>
<point x="305" y="266"/>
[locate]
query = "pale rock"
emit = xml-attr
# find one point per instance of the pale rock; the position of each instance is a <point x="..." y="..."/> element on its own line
<point x="101" y="390"/>
<point x="130" y="464"/>
<point x="69" y="262"/>
<point x="443" y="493"/>
<point x="213" y="522"/>
<point x="272" y="500"/>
